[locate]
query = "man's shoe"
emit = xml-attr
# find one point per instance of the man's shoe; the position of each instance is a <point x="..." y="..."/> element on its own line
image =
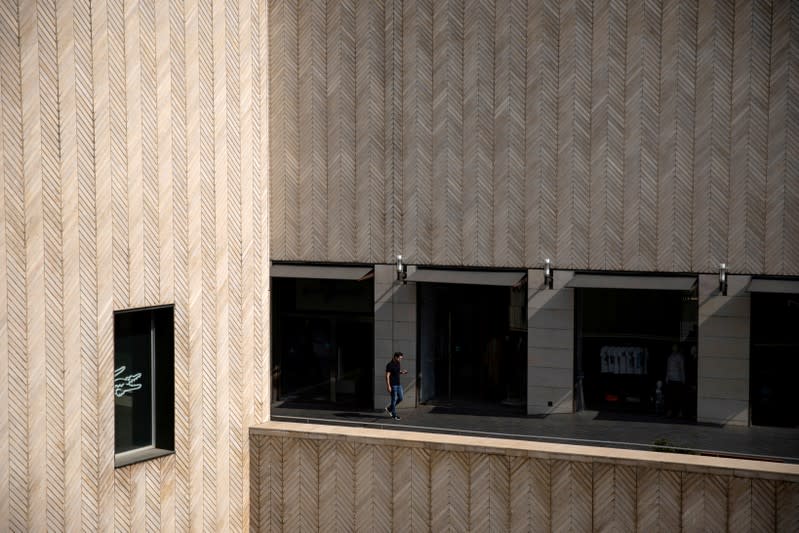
<point x="396" y="417"/>
<point x="387" y="410"/>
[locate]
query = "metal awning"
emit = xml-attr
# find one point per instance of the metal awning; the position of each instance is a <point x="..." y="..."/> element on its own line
<point x="466" y="277"/>
<point x="782" y="286"/>
<point x="354" y="273"/>
<point x="632" y="281"/>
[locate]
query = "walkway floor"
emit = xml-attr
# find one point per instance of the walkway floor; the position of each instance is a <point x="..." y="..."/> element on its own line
<point x="587" y="427"/>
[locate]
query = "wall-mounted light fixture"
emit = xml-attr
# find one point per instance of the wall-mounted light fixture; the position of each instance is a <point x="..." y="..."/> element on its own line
<point x="549" y="277"/>
<point x="723" y="279"/>
<point x="401" y="273"/>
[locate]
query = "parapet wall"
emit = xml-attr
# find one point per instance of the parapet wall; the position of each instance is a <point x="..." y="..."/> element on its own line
<point x="311" y="477"/>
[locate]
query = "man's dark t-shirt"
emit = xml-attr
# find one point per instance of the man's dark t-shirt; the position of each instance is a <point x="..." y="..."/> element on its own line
<point x="393" y="367"/>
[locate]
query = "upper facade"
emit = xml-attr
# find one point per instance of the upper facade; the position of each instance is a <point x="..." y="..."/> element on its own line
<point x="605" y="135"/>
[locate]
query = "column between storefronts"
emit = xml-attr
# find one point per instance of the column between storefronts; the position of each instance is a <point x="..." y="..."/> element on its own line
<point x="550" y="344"/>
<point x="395" y="330"/>
<point x="723" y="346"/>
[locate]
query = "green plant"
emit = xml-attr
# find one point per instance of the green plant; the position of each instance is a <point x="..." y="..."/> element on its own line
<point x="663" y="445"/>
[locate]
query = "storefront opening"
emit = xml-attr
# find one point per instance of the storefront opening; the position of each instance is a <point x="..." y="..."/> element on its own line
<point x="774" y="357"/>
<point x="323" y="341"/>
<point x="636" y="351"/>
<point x="473" y="344"/>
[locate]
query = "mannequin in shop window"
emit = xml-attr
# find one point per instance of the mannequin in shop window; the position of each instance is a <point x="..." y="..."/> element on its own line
<point x="675" y="382"/>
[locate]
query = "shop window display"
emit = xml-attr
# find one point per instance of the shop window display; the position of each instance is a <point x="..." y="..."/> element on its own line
<point x="635" y="351"/>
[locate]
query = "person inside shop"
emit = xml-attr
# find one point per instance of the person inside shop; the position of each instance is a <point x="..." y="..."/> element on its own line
<point x="675" y="382"/>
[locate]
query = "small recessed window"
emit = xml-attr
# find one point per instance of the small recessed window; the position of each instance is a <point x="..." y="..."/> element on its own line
<point x="144" y="390"/>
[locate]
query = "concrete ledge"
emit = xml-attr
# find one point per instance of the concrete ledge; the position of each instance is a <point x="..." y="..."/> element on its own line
<point x="572" y="452"/>
<point x="367" y="479"/>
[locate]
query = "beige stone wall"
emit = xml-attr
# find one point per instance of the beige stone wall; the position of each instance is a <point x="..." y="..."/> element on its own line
<point x="357" y="479"/>
<point x="724" y="357"/>
<point x="132" y="173"/>
<point x="550" y="344"/>
<point x="605" y="135"/>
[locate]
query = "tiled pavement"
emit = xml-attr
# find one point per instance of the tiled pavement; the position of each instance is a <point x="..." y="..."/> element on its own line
<point x="587" y="427"/>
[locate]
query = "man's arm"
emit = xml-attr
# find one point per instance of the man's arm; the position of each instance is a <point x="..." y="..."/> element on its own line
<point x="388" y="381"/>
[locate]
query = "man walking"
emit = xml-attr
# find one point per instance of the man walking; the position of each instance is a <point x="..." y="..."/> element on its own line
<point x="393" y="371"/>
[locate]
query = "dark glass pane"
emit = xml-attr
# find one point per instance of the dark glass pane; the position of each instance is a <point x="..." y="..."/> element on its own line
<point x="133" y="381"/>
<point x="163" y="320"/>
<point x="774" y="359"/>
<point x="631" y="312"/>
<point x="323" y="341"/>
<point x="471" y="352"/>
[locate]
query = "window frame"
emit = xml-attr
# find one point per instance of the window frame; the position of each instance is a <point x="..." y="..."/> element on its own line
<point x="162" y="402"/>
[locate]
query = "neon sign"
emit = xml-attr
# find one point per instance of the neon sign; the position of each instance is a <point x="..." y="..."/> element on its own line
<point x="125" y="384"/>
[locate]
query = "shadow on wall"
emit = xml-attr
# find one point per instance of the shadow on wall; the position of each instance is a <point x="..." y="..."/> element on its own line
<point x="723" y="345"/>
<point x="562" y="405"/>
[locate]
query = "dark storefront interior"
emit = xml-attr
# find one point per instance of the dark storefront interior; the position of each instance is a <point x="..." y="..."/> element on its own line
<point x="323" y="341"/>
<point x="624" y="339"/>
<point x="473" y="345"/>
<point x="774" y="359"/>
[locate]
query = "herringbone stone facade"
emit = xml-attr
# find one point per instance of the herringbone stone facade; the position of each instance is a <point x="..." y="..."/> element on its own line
<point x="605" y="135"/>
<point x="132" y="173"/>
<point x="430" y="482"/>
<point x="156" y="152"/>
